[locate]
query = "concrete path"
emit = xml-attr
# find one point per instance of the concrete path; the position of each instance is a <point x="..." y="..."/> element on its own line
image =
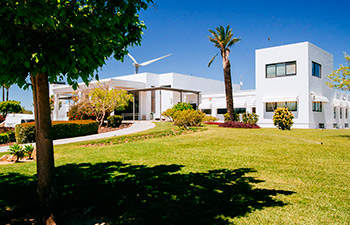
<point x="136" y="127"/>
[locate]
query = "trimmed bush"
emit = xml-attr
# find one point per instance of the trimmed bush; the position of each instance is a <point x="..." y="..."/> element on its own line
<point x="181" y="106"/>
<point x="7" y="137"/>
<point x="114" y="121"/>
<point x="188" y="117"/>
<point x="210" y="119"/>
<point x="283" y="118"/>
<point x="25" y="132"/>
<point x="251" y="118"/>
<point x="235" y="115"/>
<point x="4" y="138"/>
<point x="235" y="124"/>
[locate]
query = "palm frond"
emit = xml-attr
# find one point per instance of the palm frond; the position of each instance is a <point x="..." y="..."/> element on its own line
<point x="233" y="41"/>
<point x="212" y="59"/>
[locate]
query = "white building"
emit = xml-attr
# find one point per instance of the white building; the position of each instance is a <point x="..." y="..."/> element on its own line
<point x="292" y="76"/>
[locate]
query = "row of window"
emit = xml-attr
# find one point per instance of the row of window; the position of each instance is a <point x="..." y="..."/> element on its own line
<point x="272" y="106"/>
<point x="289" y="69"/>
<point x="340" y="113"/>
<point x="224" y="110"/>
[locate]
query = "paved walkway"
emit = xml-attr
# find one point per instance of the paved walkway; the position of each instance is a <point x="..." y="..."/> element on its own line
<point x="137" y="126"/>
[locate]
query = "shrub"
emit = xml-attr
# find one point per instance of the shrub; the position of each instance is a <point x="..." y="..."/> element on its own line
<point x="188" y="117"/>
<point x="283" y="118"/>
<point x="251" y="118"/>
<point x="18" y="151"/>
<point x="7" y="137"/>
<point x="82" y="111"/>
<point x="114" y="121"/>
<point x="210" y="119"/>
<point x="235" y="115"/>
<point x="29" y="149"/>
<point x="235" y="124"/>
<point x="2" y="119"/>
<point x="25" y="132"/>
<point x="181" y="106"/>
<point x="4" y="138"/>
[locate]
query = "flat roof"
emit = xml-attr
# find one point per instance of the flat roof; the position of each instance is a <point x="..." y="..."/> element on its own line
<point x="165" y="89"/>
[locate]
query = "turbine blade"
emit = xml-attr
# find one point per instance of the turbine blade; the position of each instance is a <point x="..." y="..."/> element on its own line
<point x="153" y="60"/>
<point x="132" y="58"/>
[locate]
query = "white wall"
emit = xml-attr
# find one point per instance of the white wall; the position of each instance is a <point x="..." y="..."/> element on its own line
<point x="296" y="85"/>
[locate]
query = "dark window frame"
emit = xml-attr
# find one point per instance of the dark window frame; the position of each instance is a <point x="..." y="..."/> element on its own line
<point x="275" y="106"/>
<point x="314" y="70"/>
<point x="317" y="109"/>
<point x="206" y="111"/>
<point x="285" y="69"/>
<point x="221" y="109"/>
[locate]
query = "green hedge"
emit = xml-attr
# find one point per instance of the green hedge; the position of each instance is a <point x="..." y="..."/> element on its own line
<point x="7" y="137"/>
<point x="25" y="132"/>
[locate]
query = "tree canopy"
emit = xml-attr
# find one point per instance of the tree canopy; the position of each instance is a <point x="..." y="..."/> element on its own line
<point x="10" y="107"/>
<point x="58" y="38"/>
<point x="340" y="78"/>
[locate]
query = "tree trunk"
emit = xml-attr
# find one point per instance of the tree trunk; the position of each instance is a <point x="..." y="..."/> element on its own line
<point x="44" y="146"/>
<point x="228" y="87"/>
<point x="3" y="93"/>
<point x="7" y="93"/>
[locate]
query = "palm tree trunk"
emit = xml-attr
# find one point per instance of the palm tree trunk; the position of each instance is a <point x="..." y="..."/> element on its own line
<point x="7" y="93"/>
<point x="3" y="93"/>
<point x="228" y="88"/>
<point x="44" y="146"/>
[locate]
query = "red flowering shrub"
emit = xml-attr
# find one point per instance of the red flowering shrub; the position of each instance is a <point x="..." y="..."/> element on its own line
<point x="234" y="124"/>
<point x="82" y="111"/>
<point x="212" y="123"/>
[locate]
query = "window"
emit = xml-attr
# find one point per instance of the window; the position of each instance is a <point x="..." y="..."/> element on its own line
<point x="194" y="106"/>
<point x="335" y="125"/>
<point x="317" y="106"/>
<point x="346" y="113"/>
<point x="316" y="69"/>
<point x="281" y="69"/>
<point x="206" y="111"/>
<point x="335" y="112"/>
<point x="321" y="125"/>
<point x="221" y="111"/>
<point x="341" y="113"/>
<point x="346" y="125"/>
<point x="253" y="109"/>
<point x="240" y="110"/>
<point x="271" y="106"/>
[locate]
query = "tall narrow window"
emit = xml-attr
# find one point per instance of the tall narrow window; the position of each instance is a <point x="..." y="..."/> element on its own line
<point x="316" y="69"/>
<point x="153" y="101"/>
<point x="341" y="113"/>
<point x="346" y="113"/>
<point x="335" y="112"/>
<point x="317" y="106"/>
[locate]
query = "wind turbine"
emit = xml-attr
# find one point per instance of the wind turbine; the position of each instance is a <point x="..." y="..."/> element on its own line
<point x="137" y="65"/>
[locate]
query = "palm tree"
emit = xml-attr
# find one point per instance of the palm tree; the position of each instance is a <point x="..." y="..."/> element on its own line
<point x="223" y="39"/>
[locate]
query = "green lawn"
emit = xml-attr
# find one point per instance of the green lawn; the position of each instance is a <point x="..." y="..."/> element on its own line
<point x="217" y="176"/>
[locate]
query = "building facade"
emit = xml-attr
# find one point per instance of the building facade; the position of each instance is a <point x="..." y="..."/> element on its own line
<point x="292" y="76"/>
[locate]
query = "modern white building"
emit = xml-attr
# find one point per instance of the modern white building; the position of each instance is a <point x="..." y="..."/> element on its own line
<point x="292" y="76"/>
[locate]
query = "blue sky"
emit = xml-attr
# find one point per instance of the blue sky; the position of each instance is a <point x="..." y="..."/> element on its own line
<point x="181" y="28"/>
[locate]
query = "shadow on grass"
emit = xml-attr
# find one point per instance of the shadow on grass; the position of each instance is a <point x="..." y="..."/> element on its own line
<point x="118" y="193"/>
<point x="344" y="136"/>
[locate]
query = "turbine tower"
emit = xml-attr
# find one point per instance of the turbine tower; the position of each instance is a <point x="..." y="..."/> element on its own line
<point x="137" y="65"/>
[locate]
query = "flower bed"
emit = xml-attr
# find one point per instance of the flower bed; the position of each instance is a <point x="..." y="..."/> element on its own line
<point x="234" y="124"/>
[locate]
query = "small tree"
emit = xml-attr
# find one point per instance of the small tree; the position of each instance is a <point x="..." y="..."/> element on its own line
<point x="283" y="118"/>
<point x="105" y="101"/>
<point x="181" y="106"/>
<point x="10" y="107"/>
<point x="340" y="78"/>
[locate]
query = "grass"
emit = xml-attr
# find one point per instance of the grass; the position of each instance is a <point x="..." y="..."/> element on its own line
<point x="218" y="176"/>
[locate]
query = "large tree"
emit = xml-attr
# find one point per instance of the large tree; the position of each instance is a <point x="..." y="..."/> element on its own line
<point x="340" y="78"/>
<point x="45" y="41"/>
<point x="223" y="39"/>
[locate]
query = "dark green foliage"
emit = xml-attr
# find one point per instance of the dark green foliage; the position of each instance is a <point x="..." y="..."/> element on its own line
<point x="188" y="117"/>
<point x="65" y="38"/>
<point x="251" y="118"/>
<point x="7" y="137"/>
<point x="25" y="132"/>
<point x="4" y="138"/>
<point x="10" y="107"/>
<point x="114" y="121"/>
<point x="235" y="116"/>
